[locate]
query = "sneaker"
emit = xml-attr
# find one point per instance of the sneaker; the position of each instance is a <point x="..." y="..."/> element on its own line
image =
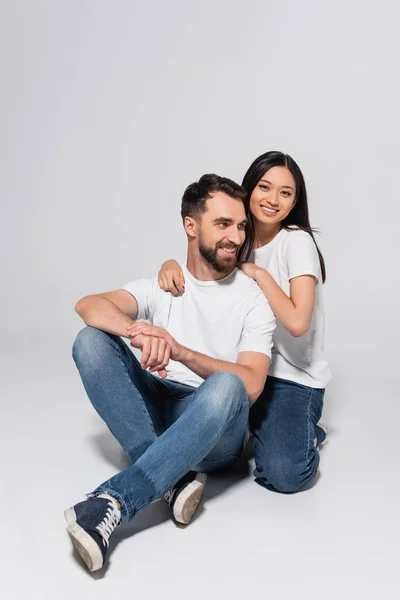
<point x="320" y="433"/>
<point x="185" y="496"/>
<point x="90" y="524"/>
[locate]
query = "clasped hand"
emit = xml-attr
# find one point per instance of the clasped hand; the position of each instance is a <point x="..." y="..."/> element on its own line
<point x="156" y="344"/>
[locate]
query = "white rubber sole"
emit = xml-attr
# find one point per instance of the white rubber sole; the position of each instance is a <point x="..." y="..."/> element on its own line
<point x="83" y="542"/>
<point x="189" y="499"/>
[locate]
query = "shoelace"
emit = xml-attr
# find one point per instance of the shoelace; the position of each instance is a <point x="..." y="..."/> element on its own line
<point x="108" y="524"/>
<point x="168" y="495"/>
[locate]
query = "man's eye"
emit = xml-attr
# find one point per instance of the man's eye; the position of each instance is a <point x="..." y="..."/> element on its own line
<point x="241" y="226"/>
<point x="222" y="225"/>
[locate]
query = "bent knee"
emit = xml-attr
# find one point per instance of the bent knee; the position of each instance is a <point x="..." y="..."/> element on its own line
<point x="226" y="382"/>
<point x="87" y="343"/>
<point x="226" y="391"/>
<point x="284" y="474"/>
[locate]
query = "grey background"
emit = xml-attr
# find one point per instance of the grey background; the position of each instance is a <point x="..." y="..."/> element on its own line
<point x="107" y="111"/>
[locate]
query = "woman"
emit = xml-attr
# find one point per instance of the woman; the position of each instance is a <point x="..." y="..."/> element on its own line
<point x="284" y="259"/>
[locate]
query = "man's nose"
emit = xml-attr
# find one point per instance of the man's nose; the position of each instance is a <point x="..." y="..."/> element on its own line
<point x="235" y="237"/>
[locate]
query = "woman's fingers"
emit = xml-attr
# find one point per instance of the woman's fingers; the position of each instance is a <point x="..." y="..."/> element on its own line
<point x="175" y="291"/>
<point x="163" y="283"/>
<point x="179" y="285"/>
<point x="172" y="281"/>
<point x="182" y="284"/>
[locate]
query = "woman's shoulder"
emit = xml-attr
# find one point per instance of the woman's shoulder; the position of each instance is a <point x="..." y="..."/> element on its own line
<point x="294" y="237"/>
<point x="294" y="233"/>
<point x="298" y="244"/>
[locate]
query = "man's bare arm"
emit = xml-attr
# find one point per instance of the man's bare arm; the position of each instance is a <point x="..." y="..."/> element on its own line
<point x="251" y="367"/>
<point x="111" y="311"/>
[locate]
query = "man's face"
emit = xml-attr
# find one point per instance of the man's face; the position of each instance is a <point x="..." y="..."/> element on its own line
<point x="221" y="232"/>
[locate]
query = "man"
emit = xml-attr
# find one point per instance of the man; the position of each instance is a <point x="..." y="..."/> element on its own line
<point x="211" y="349"/>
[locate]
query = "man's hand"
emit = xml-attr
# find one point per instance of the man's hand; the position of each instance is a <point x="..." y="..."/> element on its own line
<point x="155" y="352"/>
<point x="144" y="329"/>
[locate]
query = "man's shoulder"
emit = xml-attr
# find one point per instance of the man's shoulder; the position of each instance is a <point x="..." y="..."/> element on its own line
<point x="245" y="283"/>
<point x="147" y="287"/>
<point x="250" y="291"/>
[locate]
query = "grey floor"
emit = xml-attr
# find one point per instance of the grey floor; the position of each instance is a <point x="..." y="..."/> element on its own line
<point x="339" y="538"/>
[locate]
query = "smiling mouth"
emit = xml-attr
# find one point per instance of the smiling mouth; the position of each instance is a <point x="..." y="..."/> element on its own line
<point x="269" y="211"/>
<point x="228" y="250"/>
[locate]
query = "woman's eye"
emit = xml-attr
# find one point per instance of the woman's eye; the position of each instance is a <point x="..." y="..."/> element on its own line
<point x="264" y="187"/>
<point x="286" y="194"/>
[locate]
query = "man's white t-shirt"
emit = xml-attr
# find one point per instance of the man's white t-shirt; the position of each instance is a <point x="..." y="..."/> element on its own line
<point x="218" y="318"/>
<point x="301" y="359"/>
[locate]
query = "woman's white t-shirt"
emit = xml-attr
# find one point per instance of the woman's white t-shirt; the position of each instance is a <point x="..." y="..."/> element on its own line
<point x="301" y="359"/>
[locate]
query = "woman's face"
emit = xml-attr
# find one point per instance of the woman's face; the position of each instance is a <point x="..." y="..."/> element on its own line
<point x="273" y="197"/>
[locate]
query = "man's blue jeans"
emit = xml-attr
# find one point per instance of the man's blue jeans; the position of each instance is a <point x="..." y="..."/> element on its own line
<point x="166" y="428"/>
<point x="284" y="421"/>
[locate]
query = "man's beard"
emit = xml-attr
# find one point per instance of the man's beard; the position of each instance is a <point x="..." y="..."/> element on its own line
<point x="214" y="260"/>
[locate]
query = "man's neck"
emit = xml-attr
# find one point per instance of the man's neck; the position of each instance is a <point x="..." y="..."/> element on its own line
<point x="202" y="270"/>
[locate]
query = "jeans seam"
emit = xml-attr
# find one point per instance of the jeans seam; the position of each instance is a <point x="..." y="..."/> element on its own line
<point x="308" y="425"/>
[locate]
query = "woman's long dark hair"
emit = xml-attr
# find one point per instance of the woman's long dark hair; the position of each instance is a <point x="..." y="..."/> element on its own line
<point x="298" y="216"/>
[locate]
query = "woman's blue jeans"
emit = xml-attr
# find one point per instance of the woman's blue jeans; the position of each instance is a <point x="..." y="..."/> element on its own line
<point x="166" y="428"/>
<point x="284" y="422"/>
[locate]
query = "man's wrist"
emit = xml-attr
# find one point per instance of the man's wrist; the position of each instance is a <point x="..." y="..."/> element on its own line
<point x="184" y="354"/>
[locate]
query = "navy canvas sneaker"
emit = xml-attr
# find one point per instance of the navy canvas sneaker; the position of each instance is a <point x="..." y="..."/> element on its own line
<point x="90" y="525"/>
<point x="321" y="433"/>
<point x="185" y="496"/>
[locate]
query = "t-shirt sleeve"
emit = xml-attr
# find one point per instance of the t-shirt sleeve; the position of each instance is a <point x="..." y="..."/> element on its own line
<point x="258" y="328"/>
<point x="302" y="256"/>
<point x="143" y="291"/>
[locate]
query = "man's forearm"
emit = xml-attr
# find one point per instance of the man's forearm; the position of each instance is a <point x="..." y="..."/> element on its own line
<point x="103" y="314"/>
<point x="204" y="366"/>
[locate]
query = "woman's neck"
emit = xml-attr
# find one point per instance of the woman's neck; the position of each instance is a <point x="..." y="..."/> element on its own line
<point x="264" y="233"/>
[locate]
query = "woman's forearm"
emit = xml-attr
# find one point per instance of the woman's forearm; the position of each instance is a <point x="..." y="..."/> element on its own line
<point x="282" y="305"/>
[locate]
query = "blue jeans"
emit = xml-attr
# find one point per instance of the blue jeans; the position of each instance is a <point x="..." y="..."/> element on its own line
<point x="284" y="421"/>
<point x="167" y="428"/>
